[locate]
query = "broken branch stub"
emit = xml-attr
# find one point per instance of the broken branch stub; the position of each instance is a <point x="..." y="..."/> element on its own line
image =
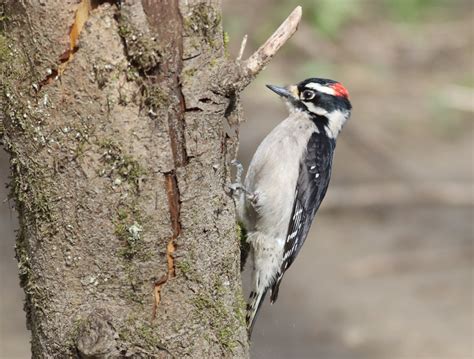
<point x="242" y="47"/>
<point x="233" y="77"/>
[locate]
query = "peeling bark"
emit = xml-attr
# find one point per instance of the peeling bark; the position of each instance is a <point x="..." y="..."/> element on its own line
<point x="121" y="121"/>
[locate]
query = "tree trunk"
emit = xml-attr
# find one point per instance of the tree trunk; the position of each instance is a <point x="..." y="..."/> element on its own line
<point x="119" y="155"/>
<point x="121" y="118"/>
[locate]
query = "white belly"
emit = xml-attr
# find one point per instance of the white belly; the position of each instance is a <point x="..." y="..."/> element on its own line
<point x="273" y="173"/>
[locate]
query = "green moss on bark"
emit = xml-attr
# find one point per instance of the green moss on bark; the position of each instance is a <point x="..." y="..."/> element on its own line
<point x="204" y="20"/>
<point x="143" y="51"/>
<point x="211" y="306"/>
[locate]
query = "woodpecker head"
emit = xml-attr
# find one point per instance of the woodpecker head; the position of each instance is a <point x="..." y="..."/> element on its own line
<point x="326" y="101"/>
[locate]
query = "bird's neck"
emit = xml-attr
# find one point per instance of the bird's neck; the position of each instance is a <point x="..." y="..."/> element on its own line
<point x="330" y="122"/>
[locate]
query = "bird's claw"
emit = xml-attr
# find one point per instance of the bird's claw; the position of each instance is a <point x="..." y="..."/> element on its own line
<point x="240" y="169"/>
<point x="237" y="185"/>
<point x="233" y="187"/>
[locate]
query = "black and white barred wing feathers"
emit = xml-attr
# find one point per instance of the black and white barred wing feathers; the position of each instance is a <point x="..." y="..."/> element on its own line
<point x="313" y="181"/>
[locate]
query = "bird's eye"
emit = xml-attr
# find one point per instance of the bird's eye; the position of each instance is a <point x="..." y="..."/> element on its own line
<point x="307" y="95"/>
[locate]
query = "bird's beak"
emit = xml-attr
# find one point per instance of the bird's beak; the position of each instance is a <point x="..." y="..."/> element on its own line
<point x="290" y="92"/>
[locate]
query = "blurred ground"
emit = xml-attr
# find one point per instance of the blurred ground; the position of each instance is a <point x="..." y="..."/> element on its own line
<point x="391" y="281"/>
<point x="14" y="338"/>
<point x="395" y="280"/>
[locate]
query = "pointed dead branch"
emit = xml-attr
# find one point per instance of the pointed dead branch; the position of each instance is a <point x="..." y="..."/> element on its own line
<point x="235" y="76"/>
<point x="255" y="63"/>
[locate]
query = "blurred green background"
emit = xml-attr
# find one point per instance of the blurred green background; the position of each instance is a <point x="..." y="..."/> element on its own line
<point x="387" y="271"/>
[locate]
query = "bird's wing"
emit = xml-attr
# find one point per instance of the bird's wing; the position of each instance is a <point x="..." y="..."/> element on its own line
<point x="311" y="186"/>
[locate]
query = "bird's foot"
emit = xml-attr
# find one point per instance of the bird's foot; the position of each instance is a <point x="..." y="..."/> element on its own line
<point x="237" y="188"/>
<point x="240" y="170"/>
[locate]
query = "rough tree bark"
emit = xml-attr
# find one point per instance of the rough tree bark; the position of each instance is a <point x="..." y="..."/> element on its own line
<point x="121" y="119"/>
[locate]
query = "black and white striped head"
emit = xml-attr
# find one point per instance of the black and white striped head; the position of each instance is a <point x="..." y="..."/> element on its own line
<point x="326" y="101"/>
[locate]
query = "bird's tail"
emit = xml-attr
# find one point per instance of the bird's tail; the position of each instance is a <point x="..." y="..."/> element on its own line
<point x="276" y="288"/>
<point x="253" y="306"/>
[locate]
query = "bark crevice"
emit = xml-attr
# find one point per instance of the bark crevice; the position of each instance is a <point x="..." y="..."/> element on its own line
<point x="165" y="18"/>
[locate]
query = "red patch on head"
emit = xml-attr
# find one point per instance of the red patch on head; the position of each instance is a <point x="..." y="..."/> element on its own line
<point x="340" y="90"/>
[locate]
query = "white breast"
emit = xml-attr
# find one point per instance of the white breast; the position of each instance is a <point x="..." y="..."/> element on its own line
<point x="273" y="173"/>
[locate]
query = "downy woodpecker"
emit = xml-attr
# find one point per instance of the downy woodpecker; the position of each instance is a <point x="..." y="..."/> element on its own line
<point x="287" y="180"/>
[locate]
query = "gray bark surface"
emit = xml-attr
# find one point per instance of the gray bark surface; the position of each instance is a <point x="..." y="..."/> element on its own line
<point x="119" y="156"/>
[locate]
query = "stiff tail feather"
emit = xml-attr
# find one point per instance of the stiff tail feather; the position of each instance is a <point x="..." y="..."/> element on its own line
<point x="276" y="288"/>
<point x="255" y="302"/>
